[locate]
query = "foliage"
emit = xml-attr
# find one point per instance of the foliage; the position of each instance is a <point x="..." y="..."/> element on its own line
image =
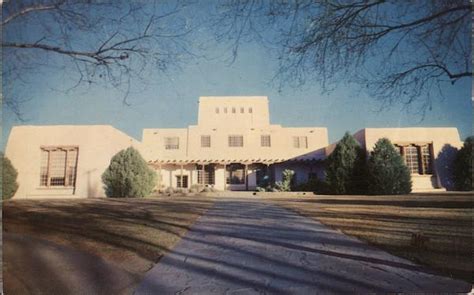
<point x="463" y="171"/>
<point x="397" y="51"/>
<point x="9" y="175"/>
<point x="285" y="184"/>
<point x="388" y="174"/>
<point x="109" y="43"/>
<point x="128" y="176"/>
<point x="345" y="167"/>
<point x="313" y="185"/>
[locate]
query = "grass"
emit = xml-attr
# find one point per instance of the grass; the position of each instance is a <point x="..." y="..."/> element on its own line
<point x="430" y="229"/>
<point x="131" y="233"/>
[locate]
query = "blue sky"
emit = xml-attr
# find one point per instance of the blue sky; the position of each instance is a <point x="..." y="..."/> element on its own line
<point x="171" y="100"/>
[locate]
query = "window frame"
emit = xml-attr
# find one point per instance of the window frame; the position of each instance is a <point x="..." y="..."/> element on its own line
<point x="264" y="142"/>
<point x="298" y="140"/>
<point x="208" y="138"/>
<point x="170" y="146"/>
<point x="69" y="175"/>
<point x="231" y="140"/>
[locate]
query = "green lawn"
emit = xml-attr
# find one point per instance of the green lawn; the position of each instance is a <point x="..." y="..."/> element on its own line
<point x="430" y="229"/>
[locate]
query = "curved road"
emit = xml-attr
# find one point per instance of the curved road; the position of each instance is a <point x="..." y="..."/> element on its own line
<point x="251" y="247"/>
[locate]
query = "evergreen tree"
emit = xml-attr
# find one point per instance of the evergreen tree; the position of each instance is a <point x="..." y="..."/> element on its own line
<point x="345" y="172"/>
<point x="9" y="175"/>
<point x="388" y="174"/>
<point x="463" y="172"/>
<point x="128" y="176"/>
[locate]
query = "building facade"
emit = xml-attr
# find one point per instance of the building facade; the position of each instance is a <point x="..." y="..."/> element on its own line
<point x="233" y="147"/>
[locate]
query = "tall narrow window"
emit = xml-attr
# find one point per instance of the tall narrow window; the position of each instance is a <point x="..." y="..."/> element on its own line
<point x="300" y="142"/>
<point x="265" y="140"/>
<point x="205" y="141"/>
<point x="233" y="110"/>
<point x="225" y="110"/>
<point x="250" y="110"/>
<point x="217" y="110"/>
<point x="171" y="143"/>
<point x="236" y="141"/>
<point x="242" y="110"/>
<point x="426" y="159"/>
<point x="58" y="166"/>
<point x="182" y="182"/>
<point x="411" y="158"/>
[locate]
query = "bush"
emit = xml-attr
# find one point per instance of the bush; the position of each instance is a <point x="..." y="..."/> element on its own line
<point x="9" y="175"/>
<point x="128" y="176"/>
<point x="346" y="167"/>
<point x="388" y="174"/>
<point x="313" y="185"/>
<point x="463" y="172"/>
<point x="285" y="185"/>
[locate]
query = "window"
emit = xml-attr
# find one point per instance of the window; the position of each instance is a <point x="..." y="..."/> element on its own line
<point x="242" y="110"/>
<point x="171" y="143"/>
<point x="300" y="142"/>
<point x="233" y="110"/>
<point x="236" y="141"/>
<point x="411" y="158"/>
<point x="225" y="110"/>
<point x="217" y="110"/>
<point x="250" y="110"/>
<point x="205" y="141"/>
<point x="209" y="174"/>
<point x="58" y="166"/>
<point x="265" y="140"/>
<point x="182" y="182"/>
<point x="426" y="159"/>
<point x="235" y="174"/>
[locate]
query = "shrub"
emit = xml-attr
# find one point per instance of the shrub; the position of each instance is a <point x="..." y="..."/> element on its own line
<point x="285" y="185"/>
<point x="388" y="173"/>
<point x="313" y="185"/>
<point x="463" y="172"/>
<point x="128" y="176"/>
<point x="345" y="167"/>
<point x="9" y="175"/>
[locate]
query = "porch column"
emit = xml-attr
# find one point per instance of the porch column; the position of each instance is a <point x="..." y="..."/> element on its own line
<point x="225" y="177"/>
<point x="246" y="177"/>
<point x="203" y="171"/>
<point x="171" y="177"/>
<point x="160" y="176"/>
<point x="181" y="175"/>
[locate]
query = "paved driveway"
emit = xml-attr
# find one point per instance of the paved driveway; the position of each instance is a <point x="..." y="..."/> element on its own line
<point x="246" y="247"/>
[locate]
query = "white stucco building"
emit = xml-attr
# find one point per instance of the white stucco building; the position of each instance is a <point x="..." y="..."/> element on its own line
<point x="233" y="147"/>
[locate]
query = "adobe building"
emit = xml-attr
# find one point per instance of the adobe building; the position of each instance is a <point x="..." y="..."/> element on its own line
<point x="232" y="147"/>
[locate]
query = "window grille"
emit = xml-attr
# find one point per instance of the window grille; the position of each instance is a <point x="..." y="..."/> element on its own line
<point x="250" y="110"/>
<point x="182" y="182"/>
<point x="300" y="142"/>
<point x="58" y="166"/>
<point x="209" y="174"/>
<point x="205" y="141"/>
<point x="217" y="110"/>
<point x="171" y="143"/>
<point x="225" y="110"/>
<point x="411" y="159"/>
<point x="427" y="159"/>
<point x="236" y="141"/>
<point x="233" y="110"/>
<point x="242" y="110"/>
<point x="265" y="140"/>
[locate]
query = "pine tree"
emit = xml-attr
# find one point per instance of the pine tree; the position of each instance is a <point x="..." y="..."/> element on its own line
<point x="345" y="172"/>
<point x="128" y="176"/>
<point x="9" y="175"/>
<point x="388" y="174"/>
<point x="463" y="171"/>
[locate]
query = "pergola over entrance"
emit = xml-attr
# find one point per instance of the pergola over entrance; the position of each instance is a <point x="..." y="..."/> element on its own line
<point x="203" y="163"/>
